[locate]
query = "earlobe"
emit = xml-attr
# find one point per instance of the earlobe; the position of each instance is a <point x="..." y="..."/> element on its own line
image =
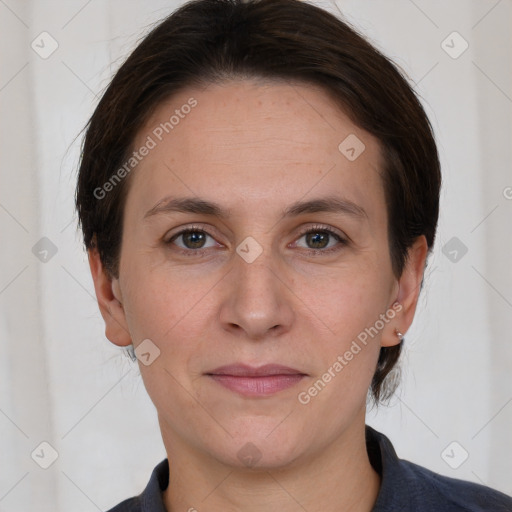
<point x="108" y="294"/>
<point x="409" y="286"/>
<point x="392" y="334"/>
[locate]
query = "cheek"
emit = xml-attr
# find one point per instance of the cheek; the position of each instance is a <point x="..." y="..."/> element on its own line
<point x="345" y="306"/>
<point x="167" y="309"/>
<point x="163" y="301"/>
<point x="346" y="355"/>
<point x="345" y="299"/>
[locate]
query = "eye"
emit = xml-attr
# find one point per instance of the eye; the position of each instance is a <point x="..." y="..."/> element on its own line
<point x="192" y="239"/>
<point x="321" y="239"/>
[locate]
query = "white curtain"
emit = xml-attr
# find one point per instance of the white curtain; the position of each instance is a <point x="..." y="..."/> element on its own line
<point x="64" y="385"/>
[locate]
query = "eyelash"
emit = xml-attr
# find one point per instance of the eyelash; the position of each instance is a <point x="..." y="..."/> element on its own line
<point x="311" y="229"/>
<point x="189" y="252"/>
<point x="324" y="229"/>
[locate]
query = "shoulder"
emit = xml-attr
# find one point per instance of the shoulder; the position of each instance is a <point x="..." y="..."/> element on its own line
<point x="407" y="486"/>
<point x="150" y="499"/>
<point x="440" y="493"/>
<point x="129" y="505"/>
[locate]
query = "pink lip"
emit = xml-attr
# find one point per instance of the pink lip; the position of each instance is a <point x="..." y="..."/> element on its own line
<point x="262" y="381"/>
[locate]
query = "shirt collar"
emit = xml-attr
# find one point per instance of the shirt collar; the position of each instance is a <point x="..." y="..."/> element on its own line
<point x="381" y="453"/>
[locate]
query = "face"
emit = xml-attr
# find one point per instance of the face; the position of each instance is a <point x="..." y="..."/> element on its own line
<point x="252" y="238"/>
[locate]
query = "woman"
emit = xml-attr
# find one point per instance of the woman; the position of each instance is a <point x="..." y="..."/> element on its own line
<point x="258" y="193"/>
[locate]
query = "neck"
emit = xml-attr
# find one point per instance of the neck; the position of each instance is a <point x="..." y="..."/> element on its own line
<point x="339" y="478"/>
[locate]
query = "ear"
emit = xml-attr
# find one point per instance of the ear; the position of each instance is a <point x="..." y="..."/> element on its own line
<point x="108" y="294"/>
<point x="409" y="285"/>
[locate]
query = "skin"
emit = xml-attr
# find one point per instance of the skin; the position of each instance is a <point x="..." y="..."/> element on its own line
<point x="255" y="148"/>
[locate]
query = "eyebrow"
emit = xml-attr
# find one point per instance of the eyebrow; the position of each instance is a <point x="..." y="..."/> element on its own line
<point x="329" y="204"/>
<point x="196" y="205"/>
<point x="187" y="205"/>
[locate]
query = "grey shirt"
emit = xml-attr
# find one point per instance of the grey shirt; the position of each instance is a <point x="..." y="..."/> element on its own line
<point x="405" y="486"/>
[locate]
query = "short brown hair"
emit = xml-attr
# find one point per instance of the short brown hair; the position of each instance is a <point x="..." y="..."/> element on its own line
<point x="212" y="41"/>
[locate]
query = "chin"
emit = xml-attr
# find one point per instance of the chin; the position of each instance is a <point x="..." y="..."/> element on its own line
<point x="258" y="443"/>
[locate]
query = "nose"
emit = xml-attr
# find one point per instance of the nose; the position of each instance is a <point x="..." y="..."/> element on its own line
<point x="257" y="302"/>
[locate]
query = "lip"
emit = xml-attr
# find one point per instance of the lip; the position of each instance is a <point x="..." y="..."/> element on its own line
<point x="245" y="370"/>
<point x="256" y="381"/>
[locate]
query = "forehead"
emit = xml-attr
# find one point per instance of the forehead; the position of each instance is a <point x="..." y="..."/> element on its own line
<point x="246" y="141"/>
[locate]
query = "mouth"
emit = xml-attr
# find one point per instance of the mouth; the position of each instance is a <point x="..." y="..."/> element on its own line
<point x="261" y="381"/>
